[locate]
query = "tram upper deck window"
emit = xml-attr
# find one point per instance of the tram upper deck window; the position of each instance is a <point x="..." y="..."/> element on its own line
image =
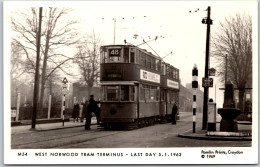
<point x="126" y="55"/>
<point x="148" y="61"/>
<point x="163" y="69"/>
<point x="137" y="56"/>
<point x="167" y="70"/>
<point x="174" y="74"/>
<point x="114" y="55"/>
<point x="132" y="57"/>
<point x="153" y="64"/>
<point x="158" y="65"/>
<point x="143" y="58"/>
<point x="103" y="56"/>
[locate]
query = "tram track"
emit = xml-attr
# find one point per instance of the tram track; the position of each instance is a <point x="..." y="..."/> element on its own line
<point x="66" y="140"/>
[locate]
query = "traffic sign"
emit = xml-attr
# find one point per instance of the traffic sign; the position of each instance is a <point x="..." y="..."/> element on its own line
<point x="212" y="72"/>
<point x="207" y="82"/>
<point x="65" y="81"/>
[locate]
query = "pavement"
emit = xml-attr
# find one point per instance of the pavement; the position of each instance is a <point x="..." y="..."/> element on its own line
<point x="243" y="128"/>
<point x="49" y="126"/>
<point x="244" y="133"/>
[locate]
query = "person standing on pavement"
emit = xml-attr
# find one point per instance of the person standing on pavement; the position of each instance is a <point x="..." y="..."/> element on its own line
<point x="174" y="113"/>
<point x="81" y="111"/>
<point x="92" y="107"/>
<point x="75" y="113"/>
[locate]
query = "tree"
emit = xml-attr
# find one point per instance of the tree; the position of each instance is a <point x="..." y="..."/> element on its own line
<point x="87" y="58"/>
<point x="58" y="33"/>
<point x="17" y="63"/>
<point x="234" y="39"/>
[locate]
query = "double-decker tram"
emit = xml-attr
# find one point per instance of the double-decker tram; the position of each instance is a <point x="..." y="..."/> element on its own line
<point x="138" y="88"/>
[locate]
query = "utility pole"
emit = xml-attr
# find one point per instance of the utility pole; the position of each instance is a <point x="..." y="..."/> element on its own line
<point x="207" y="21"/>
<point x="36" y="81"/>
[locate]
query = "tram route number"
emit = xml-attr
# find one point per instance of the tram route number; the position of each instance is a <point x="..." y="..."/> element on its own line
<point x="114" y="52"/>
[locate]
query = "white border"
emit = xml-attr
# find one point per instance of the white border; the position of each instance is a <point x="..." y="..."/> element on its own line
<point x="189" y="155"/>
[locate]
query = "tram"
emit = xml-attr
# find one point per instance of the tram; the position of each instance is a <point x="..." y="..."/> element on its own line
<point x="138" y="88"/>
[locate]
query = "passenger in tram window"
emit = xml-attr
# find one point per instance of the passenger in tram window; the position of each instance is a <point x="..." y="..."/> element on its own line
<point x="174" y="113"/>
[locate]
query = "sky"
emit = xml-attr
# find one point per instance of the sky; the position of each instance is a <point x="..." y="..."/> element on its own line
<point x="178" y="30"/>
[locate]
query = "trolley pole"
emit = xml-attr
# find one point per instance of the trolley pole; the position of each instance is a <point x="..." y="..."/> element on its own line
<point x="194" y="87"/>
<point x="207" y="21"/>
<point x="114" y="30"/>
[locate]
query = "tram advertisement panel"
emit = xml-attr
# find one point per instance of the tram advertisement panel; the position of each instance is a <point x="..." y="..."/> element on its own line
<point x="149" y="76"/>
<point x="172" y="84"/>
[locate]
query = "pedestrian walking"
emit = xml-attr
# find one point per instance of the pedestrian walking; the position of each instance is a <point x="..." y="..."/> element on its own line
<point x="174" y="113"/>
<point x="75" y="113"/>
<point x="81" y="111"/>
<point x="92" y="107"/>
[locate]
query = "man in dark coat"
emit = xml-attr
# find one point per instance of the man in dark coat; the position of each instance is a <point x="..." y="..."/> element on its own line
<point x="174" y="113"/>
<point x="92" y="107"/>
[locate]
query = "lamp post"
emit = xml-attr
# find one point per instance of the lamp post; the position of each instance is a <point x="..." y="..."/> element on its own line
<point x="207" y="21"/>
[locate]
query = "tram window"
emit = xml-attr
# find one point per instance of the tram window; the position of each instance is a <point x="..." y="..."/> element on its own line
<point x="103" y="57"/>
<point x="126" y="55"/>
<point x="163" y="69"/>
<point x="104" y="94"/>
<point x="153" y="91"/>
<point x="124" y="93"/>
<point x="132" y="93"/>
<point x="148" y="61"/>
<point x="167" y="70"/>
<point x="132" y="57"/>
<point x="137" y="57"/>
<point x="172" y="73"/>
<point x="158" y="65"/>
<point x="114" y="55"/>
<point x="146" y="93"/>
<point x="141" y="92"/>
<point x="157" y="94"/>
<point x="162" y="96"/>
<point x="168" y="97"/>
<point x="112" y="93"/>
<point x="142" y="57"/>
<point x="153" y="63"/>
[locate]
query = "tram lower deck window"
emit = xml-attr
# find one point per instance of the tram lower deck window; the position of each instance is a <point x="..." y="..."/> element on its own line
<point x="112" y="93"/>
<point x="119" y="93"/>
